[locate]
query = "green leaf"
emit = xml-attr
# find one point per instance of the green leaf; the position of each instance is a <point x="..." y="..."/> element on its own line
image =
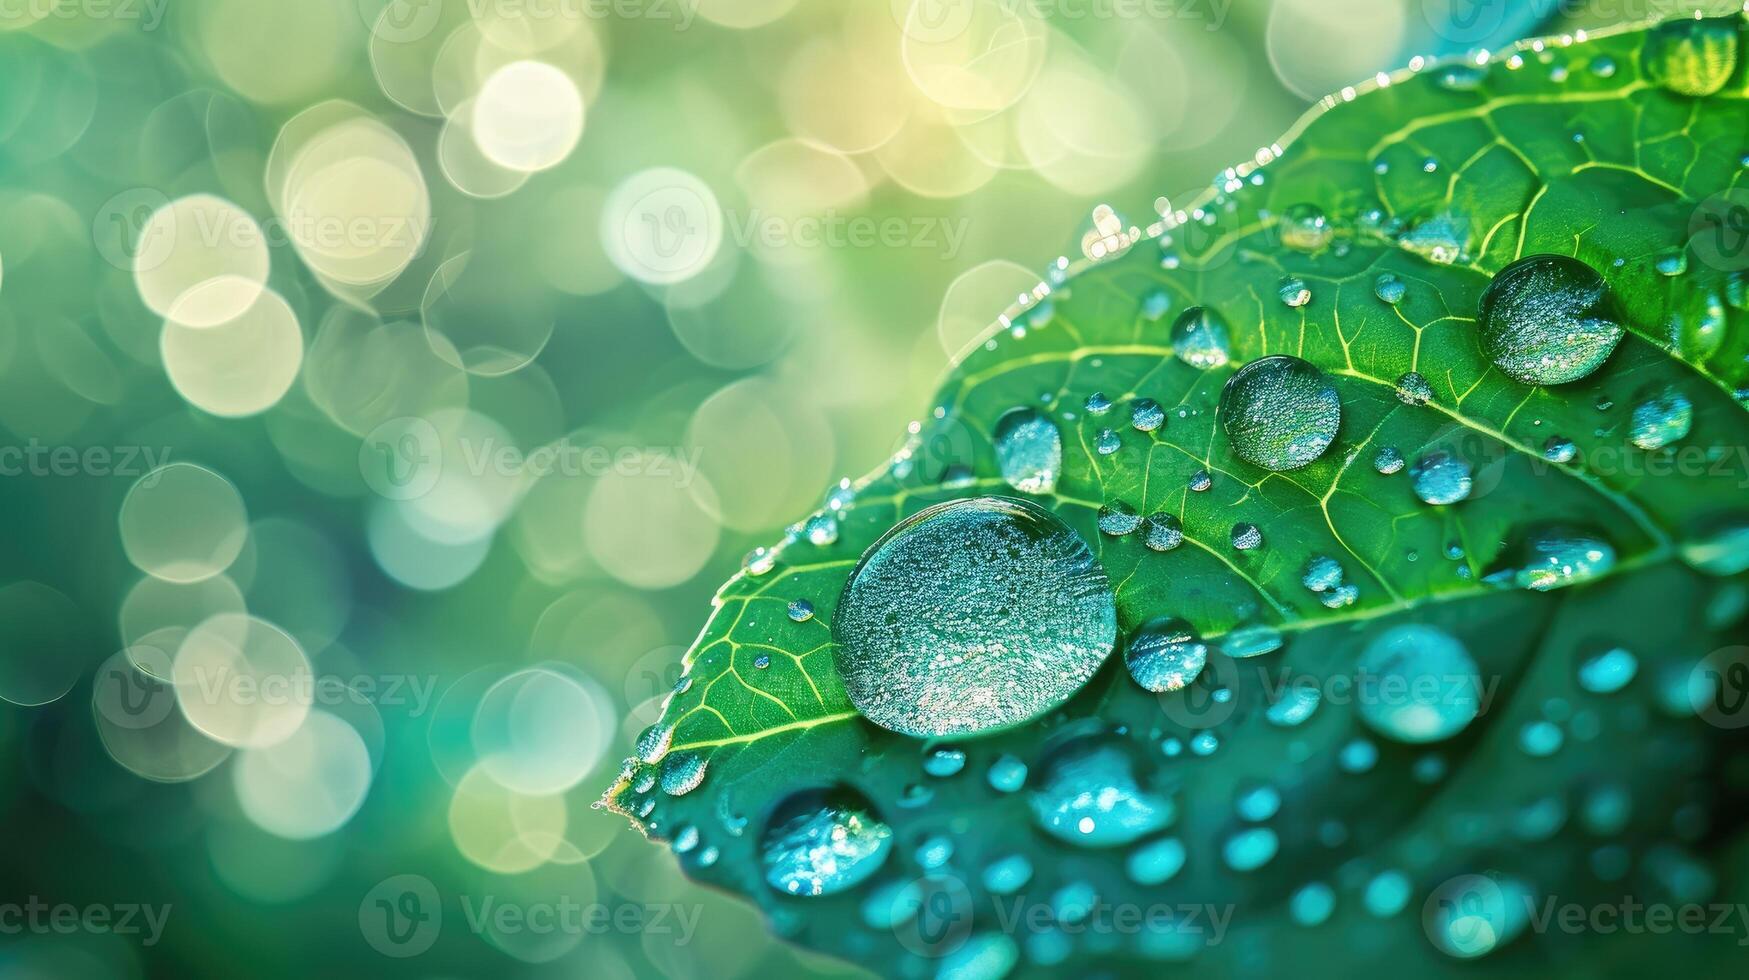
<point x="1623" y="151"/>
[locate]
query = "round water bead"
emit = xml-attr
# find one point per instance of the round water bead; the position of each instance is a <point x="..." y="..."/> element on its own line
<point x="1548" y="319"/>
<point x="1280" y="412"/>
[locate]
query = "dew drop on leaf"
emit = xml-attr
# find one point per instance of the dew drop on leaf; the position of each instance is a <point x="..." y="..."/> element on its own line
<point x="1417" y="684"/>
<point x="1097" y="403"/>
<point x="1107" y="442"/>
<point x="1305" y="228"/>
<point x="823" y="842"/>
<point x="1201" y="338"/>
<point x="1297" y="703"/>
<point x="1440" y="478"/>
<point x="1165" y="655"/>
<point x="1007" y="875"/>
<point x="1251" y="641"/>
<point x="1007" y="774"/>
<point x="1162" y="532"/>
<point x="801" y="610"/>
<point x="1548" y="319"/>
<point x="1609" y="671"/>
<point x="972" y="615"/>
<point x="1388" y="288"/>
<point x="1200" y="481"/>
<point x="1089" y="795"/>
<point x="1555" y="557"/>
<point x="681" y="772"/>
<point x="1413" y="389"/>
<point x="1559" y="449"/>
<point x="1155" y="862"/>
<point x="1029" y="451"/>
<point x="1146" y="415"/>
<point x="942" y="763"/>
<point x="1662" y="419"/>
<point x="1692" y="57"/>
<point x="1118" y="519"/>
<point x="1280" y="412"/>
<point x="1294" y="292"/>
<point x="1388" y="460"/>
<point x="1246" y="536"/>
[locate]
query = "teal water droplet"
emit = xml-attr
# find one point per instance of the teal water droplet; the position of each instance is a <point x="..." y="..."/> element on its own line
<point x="970" y="616"/>
<point x="1165" y="655"/>
<point x="1029" y="450"/>
<point x="1107" y="442"/>
<point x="1294" y="292"/>
<point x="1440" y="478"/>
<point x="1671" y="262"/>
<point x="1442" y="239"/>
<point x="1559" y="449"/>
<point x="1074" y="902"/>
<point x="801" y="610"/>
<point x="762" y="661"/>
<point x="1204" y="743"/>
<point x="1146" y="415"/>
<point x="1163" y="532"/>
<point x="1691" y="57"/>
<point x="1304" y="228"/>
<point x="1246" y="536"/>
<point x="1201" y="338"/>
<point x="1541" y="738"/>
<point x="823" y="842"/>
<point x="821" y="529"/>
<point x="1251" y="641"/>
<point x="1258" y="803"/>
<point x="1250" y="849"/>
<point x="1417" y="684"/>
<point x="759" y="561"/>
<point x="1118" y="519"/>
<point x="1090" y="796"/>
<point x="1007" y="875"/>
<point x="984" y="956"/>
<point x="1555" y="557"/>
<point x="1312" y="904"/>
<point x="1548" y="319"/>
<point x="1721" y="551"/>
<point x="1386" y="894"/>
<point x="942" y="763"/>
<point x="1097" y="403"/>
<point x="1662" y="419"/>
<point x="1341" y="597"/>
<point x="1155" y="862"/>
<point x="1280" y="412"/>
<point x="1322" y="574"/>
<point x="1298" y="702"/>
<point x="1609" y="671"/>
<point x="1357" y="756"/>
<point x="934" y="852"/>
<point x="653" y="742"/>
<point x="682" y="772"/>
<point x="1389" y="288"/>
<point x="1007" y="774"/>
<point x="685" y="839"/>
<point x="1388" y="460"/>
<point x="1413" y="389"/>
<point x="1603" y="66"/>
<point x="1200" y="481"/>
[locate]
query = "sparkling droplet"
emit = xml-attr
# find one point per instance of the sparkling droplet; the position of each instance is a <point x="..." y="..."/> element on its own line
<point x="1388" y="460"/>
<point x="681" y="772"/>
<point x="1413" y="389"/>
<point x="1304" y="228"/>
<point x="1246" y="536"/>
<point x="1294" y="292"/>
<point x="1029" y="450"/>
<point x="821" y="843"/>
<point x="1280" y="412"/>
<point x="1107" y="442"/>
<point x="1548" y="319"/>
<point x="1165" y="654"/>
<point x="1322" y="574"/>
<point x="944" y="762"/>
<point x="1201" y="338"/>
<point x="1559" y="449"/>
<point x="1118" y="519"/>
<point x="1662" y="419"/>
<point x="759" y="561"/>
<point x="801" y="610"/>
<point x="1097" y="403"/>
<point x="1417" y="684"/>
<point x="1390" y="289"/>
<point x="1090" y="796"/>
<point x="1440" y="478"/>
<point x="1007" y="875"/>
<point x="1555" y="557"/>
<point x="1162" y="532"/>
<point x="972" y="615"/>
<point x="1201" y="481"/>
<point x="1146" y="414"/>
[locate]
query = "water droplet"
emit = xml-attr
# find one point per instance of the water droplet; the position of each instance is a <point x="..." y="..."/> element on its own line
<point x="681" y="772"/>
<point x="1559" y="449"/>
<point x="762" y="661"/>
<point x="1413" y="389"/>
<point x="1304" y="228"/>
<point x="1074" y="902"/>
<point x="1463" y="76"/>
<point x="759" y="561"/>
<point x="1603" y="66"/>
<point x="1342" y="596"/>
<point x="1280" y="412"/>
<point x="1118" y="519"/>
<point x="1165" y="654"/>
<point x="801" y="610"/>
<point x="1388" y="460"/>
<point x="934" y="852"/>
<point x="1258" y="803"/>
<point x="821" y="529"/>
<point x="1548" y="319"/>
<point x="1386" y="894"/>
<point x="1155" y="862"/>
<point x="1691" y="57"/>
<point x="1155" y="304"/>
<point x="1322" y="574"/>
<point x="1441" y="239"/>
<point x="1097" y="403"/>
<point x="1724" y="551"/>
<point x="1609" y="671"/>
<point x="1251" y="641"/>
<point x="1007" y="875"/>
<point x="653" y="743"/>
<point x="1312" y="904"/>
<point x="1250" y="849"/>
<point x="1146" y="414"/>
<point x="685" y="839"/>
<point x="944" y="762"/>
<point x="823" y="842"/>
<point x="1541" y="738"/>
<point x="1162" y="532"/>
<point x="1417" y="684"/>
<point x="1246" y="536"/>
<point x="1090" y="795"/>
<point x="1204" y="743"/>
<point x="1390" y="289"/>
<point x="1440" y="478"/>
<point x="1662" y="419"/>
<point x="972" y="615"/>
<point x="1201" y="338"/>
<point x="1298" y="702"/>
<point x="1200" y="481"/>
<point x="1107" y="442"/>
<point x="1294" y="292"/>
<point x="1555" y="557"/>
<point x="1007" y="774"/>
<point x="1029" y="450"/>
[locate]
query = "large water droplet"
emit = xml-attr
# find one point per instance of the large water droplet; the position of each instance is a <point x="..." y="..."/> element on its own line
<point x="1029" y="450"/>
<point x="1201" y="339"/>
<point x="1548" y="319"/>
<point x="972" y="615"/>
<point x="1662" y="419"/>
<point x="1555" y="557"/>
<point x="1280" y="412"/>
<point x="1090" y="796"/>
<point x="1165" y="655"/>
<point x="823" y="842"/>
<point x="1692" y="57"/>
<point x="1440" y="478"/>
<point x="1417" y="684"/>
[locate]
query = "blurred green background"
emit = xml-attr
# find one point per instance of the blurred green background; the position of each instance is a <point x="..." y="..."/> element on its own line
<point x="386" y="387"/>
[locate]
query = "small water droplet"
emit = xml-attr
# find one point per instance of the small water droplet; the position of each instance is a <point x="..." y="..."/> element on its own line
<point x="1097" y="403"/>
<point x="1389" y="288"/>
<point x="1440" y="478"/>
<point x="1165" y="655"/>
<point x="1118" y="519"/>
<point x="1312" y="904"/>
<point x="1541" y="738"/>
<point x="1201" y="481"/>
<point x="1146" y="414"/>
<point x="1413" y="389"/>
<point x="1246" y="536"/>
<point x="1250" y="849"/>
<point x="1007" y="875"/>
<point x="1162" y="532"/>
<point x="944" y="762"/>
<point x="1662" y="419"/>
<point x="1388" y="460"/>
<point x="1559" y="449"/>
<point x="1007" y="774"/>
<point x="1297" y="703"/>
<point x="653" y="743"/>
<point x="823" y="842"/>
<point x="1089" y="795"/>
<point x="1029" y="450"/>
<point x="1322" y="574"/>
<point x="1609" y="671"/>
<point x="1304" y="228"/>
<point x="762" y="661"/>
<point x="759" y="561"/>
<point x="1201" y="338"/>
<point x="1155" y="862"/>
<point x="682" y="772"/>
<point x="1107" y="442"/>
<point x="1294" y="292"/>
<point x="801" y="610"/>
<point x="1555" y="557"/>
<point x="1251" y="641"/>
